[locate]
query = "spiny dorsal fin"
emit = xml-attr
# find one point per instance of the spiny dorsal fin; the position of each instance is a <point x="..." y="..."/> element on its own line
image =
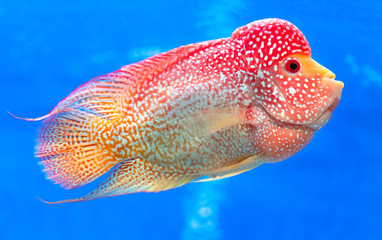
<point x="159" y="63"/>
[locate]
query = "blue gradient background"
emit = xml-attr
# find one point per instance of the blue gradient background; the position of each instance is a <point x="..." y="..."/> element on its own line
<point x="330" y="190"/>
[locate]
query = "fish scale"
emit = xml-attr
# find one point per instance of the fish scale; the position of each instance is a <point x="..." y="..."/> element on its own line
<point x="212" y="109"/>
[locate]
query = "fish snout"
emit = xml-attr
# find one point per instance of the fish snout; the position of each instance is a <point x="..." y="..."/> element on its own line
<point x="334" y="86"/>
<point x="334" y="89"/>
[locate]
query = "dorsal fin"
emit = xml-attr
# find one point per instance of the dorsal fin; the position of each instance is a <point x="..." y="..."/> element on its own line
<point x="159" y="63"/>
<point x="101" y="96"/>
<point x="113" y="83"/>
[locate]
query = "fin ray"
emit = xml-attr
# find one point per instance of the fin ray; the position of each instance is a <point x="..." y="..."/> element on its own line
<point x="236" y="169"/>
<point x="71" y="160"/>
<point x="210" y="121"/>
<point x="133" y="176"/>
<point x="70" y="146"/>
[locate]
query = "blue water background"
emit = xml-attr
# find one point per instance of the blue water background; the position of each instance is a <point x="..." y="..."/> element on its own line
<point x="330" y="190"/>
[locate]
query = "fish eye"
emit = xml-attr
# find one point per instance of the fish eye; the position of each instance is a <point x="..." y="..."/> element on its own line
<point x="292" y="65"/>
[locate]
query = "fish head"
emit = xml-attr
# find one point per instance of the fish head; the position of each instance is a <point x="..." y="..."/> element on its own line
<point x="288" y="83"/>
<point x="302" y="91"/>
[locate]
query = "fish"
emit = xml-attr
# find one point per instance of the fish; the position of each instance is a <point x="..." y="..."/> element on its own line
<point x="199" y="112"/>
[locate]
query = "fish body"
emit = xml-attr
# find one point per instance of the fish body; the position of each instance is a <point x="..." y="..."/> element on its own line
<point x="212" y="109"/>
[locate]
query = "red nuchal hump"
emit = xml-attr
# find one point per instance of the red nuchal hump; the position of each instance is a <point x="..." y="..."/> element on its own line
<point x="266" y="41"/>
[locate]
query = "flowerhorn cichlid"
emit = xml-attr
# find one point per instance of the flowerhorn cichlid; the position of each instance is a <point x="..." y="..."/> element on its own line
<point x="206" y="111"/>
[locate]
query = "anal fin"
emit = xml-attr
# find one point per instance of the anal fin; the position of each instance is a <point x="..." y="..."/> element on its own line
<point x="132" y="176"/>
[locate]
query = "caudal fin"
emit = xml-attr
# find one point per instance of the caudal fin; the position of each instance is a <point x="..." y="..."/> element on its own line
<point x="69" y="151"/>
<point x="72" y="140"/>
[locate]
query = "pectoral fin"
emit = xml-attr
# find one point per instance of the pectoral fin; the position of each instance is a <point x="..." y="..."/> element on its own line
<point x="209" y="121"/>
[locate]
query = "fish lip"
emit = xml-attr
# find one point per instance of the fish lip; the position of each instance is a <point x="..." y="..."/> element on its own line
<point x="324" y="118"/>
<point x="315" y="124"/>
<point x="336" y="91"/>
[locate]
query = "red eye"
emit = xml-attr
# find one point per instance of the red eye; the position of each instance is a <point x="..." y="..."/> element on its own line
<point x="292" y="65"/>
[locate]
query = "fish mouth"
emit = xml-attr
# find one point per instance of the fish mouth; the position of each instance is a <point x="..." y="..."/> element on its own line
<point x="336" y="91"/>
<point x="324" y="118"/>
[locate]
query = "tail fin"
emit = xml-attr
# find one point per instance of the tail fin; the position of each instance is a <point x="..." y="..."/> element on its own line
<point x="71" y="142"/>
<point x="68" y="148"/>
